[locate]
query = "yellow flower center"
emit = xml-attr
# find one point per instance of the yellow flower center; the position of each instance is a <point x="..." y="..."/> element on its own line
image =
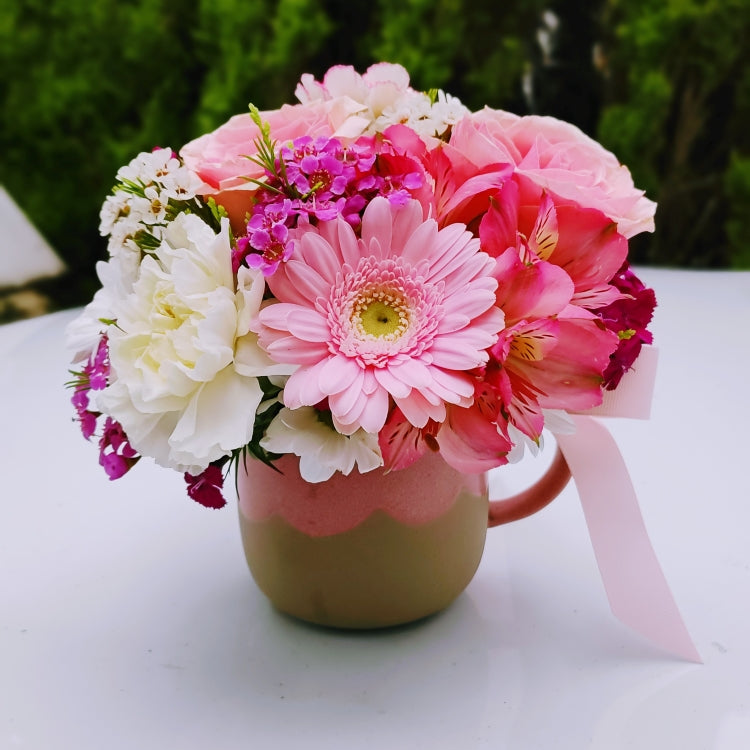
<point x="379" y="319"/>
<point x="381" y="314"/>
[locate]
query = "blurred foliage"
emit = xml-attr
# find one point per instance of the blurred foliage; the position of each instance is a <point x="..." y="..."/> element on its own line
<point x="478" y="55"/>
<point x="678" y="91"/>
<point x="85" y="86"/>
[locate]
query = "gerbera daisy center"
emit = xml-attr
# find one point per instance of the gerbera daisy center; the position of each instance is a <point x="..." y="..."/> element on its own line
<point x="381" y="314"/>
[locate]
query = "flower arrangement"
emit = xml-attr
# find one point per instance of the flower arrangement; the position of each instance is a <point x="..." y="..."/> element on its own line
<point x="366" y="275"/>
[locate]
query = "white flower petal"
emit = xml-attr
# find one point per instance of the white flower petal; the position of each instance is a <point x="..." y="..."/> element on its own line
<point x="184" y="364"/>
<point x="322" y="450"/>
<point x="219" y="418"/>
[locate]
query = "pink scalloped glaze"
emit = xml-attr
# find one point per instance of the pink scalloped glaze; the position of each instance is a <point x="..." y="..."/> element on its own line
<point x="416" y="495"/>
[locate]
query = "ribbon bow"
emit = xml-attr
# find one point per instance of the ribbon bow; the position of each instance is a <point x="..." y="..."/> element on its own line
<point x="636" y="587"/>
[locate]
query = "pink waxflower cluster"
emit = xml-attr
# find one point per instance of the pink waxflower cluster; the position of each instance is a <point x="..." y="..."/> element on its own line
<point x="405" y="276"/>
<point x="320" y="179"/>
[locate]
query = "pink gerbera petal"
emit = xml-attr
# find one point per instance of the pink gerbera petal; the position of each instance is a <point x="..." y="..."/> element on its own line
<point x="383" y="307"/>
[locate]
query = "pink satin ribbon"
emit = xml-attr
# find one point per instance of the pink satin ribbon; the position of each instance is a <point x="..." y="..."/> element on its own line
<point x="638" y="592"/>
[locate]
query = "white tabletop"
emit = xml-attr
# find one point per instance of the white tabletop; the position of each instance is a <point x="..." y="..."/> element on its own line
<point x="128" y="619"/>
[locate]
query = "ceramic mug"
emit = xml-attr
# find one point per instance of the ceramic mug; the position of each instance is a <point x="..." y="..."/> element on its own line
<point x="377" y="549"/>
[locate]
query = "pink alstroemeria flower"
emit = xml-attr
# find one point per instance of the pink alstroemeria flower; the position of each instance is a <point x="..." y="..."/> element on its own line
<point x="554" y="263"/>
<point x="551" y="268"/>
<point x="553" y="350"/>
<point x="397" y="315"/>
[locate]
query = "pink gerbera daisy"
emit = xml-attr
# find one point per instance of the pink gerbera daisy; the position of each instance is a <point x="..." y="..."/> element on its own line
<point x="397" y="315"/>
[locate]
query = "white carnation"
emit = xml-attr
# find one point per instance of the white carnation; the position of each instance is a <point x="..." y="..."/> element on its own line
<point x="184" y="363"/>
<point x="117" y="277"/>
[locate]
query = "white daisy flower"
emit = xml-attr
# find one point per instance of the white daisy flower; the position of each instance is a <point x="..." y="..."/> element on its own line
<point x="321" y="449"/>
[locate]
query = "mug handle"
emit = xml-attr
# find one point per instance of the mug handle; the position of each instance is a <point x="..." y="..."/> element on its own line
<point x="534" y="498"/>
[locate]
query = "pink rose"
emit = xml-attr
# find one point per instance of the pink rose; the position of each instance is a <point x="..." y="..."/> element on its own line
<point x="557" y="157"/>
<point x="220" y="158"/>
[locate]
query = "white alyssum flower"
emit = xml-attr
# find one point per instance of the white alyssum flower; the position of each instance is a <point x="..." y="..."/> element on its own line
<point x="448" y="109"/>
<point x="417" y="111"/>
<point x="146" y="214"/>
<point x="141" y="200"/>
<point x="120" y="223"/>
<point x="155" y="206"/>
<point x="149" y="167"/>
<point x="181" y="184"/>
<point x="184" y="361"/>
<point x="115" y="211"/>
<point x="122" y="240"/>
<point x="322" y="451"/>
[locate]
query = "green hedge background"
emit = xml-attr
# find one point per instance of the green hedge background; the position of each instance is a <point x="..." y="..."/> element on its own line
<point x="663" y="83"/>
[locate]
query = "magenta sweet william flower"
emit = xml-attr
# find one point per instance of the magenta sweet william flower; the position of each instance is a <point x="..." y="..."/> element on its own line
<point x="98" y="366"/>
<point x="205" y="488"/>
<point x="93" y="378"/>
<point x="86" y="418"/>
<point x="116" y="455"/>
<point x="629" y="318"/>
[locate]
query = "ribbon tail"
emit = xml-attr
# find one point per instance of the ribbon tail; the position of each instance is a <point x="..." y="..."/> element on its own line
<point x="636" y="587"/>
